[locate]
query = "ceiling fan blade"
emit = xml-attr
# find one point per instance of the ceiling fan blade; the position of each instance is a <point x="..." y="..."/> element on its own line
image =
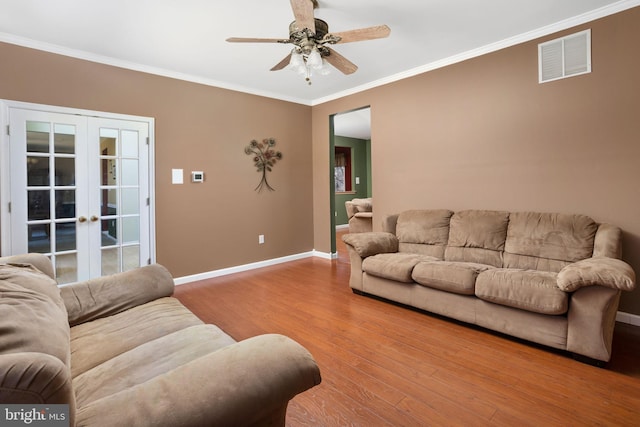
<point x="369" y="33"/>
<point x="256" y="40"/>
<point x="280" y="65"/>
<point x="303" y="12"/>
<point x="340" y="62"/>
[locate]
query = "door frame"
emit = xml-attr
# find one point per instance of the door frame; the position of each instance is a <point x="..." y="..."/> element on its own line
<point x="332" y="186"/>
<point x="5" y="176"/>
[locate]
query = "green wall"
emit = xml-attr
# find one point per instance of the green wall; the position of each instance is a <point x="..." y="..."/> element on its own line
<point x="361" y="164"/>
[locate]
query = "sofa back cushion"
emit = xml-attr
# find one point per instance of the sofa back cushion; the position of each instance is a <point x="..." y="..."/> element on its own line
<point x="477" y="236"/>
<point x="32" y="314"/>
<point x="548" y="241"/>
<point x="34" y="337"/>
<point x="423" y="231"/>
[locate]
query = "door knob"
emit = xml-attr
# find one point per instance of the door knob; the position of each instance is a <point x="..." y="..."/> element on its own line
<point x="82" y="219"/>
<point x="94" y="218"/>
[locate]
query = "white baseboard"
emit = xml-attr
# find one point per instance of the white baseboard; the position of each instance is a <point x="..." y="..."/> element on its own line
<point x="631" y="319"/>
<point x="224" y="271"/>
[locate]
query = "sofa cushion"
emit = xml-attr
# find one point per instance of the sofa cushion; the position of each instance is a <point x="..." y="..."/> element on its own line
<point x="561" y="237"/>
<point x="535" y="291"/>
<point x="396" y="266"/>
<point x="32" y="315"/>
<point x="30" y="277"/>
<point x="477" y="236"/>
<point x="132" y="367"/>
<point x="97" y="341"/>
<point x="107" y="295"/>
<point x="456" y="277"/>
<point x="429" y="227"/>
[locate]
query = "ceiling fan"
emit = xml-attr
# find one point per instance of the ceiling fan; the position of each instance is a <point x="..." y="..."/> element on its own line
<point x="311" y="39"/>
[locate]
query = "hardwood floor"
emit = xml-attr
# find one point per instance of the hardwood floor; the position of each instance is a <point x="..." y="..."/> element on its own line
<point x="386" y="365"/>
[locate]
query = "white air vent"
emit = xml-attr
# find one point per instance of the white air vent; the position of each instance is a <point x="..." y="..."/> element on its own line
<point x="565" y="57"/>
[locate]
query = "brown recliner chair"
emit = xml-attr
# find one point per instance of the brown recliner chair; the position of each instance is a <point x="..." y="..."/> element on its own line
<point x="360" y="214"/>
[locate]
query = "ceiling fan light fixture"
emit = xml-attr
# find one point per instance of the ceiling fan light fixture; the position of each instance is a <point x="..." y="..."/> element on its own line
<point x="297" y="63"/>
<point x="325" y="70"/>
<point x="314" y="60"/>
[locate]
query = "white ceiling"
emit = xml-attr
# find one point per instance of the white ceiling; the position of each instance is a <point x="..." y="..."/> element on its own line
<point x="186" y="38"/>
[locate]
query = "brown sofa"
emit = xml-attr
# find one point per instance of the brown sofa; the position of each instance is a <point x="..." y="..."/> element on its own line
<point x="360" y="215"/>
<point x="554" y="279"/>
<point x="120" y="351"/>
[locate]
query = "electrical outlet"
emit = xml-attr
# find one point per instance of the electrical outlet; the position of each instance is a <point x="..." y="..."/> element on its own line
<point x="260" y="239"/>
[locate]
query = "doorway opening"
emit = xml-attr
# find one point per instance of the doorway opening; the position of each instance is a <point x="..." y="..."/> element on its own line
<point x="350" y="164"/>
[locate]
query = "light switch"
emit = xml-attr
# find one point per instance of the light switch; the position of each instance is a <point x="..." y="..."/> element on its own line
<point x="177" y="176"/>
<point x="357" y="180"/>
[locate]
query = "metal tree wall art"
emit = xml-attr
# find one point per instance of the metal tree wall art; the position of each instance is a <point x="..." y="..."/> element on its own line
<point x="264" y="158"/>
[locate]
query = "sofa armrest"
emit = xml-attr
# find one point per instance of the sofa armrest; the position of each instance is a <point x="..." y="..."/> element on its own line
<point x="591" y="320"/>
<point x="35" y="378"/>
<point x="609" y="272"/>
<point x="108" y="295"/>
<point x="247" y="383"/>
<point x="371" y="243"/>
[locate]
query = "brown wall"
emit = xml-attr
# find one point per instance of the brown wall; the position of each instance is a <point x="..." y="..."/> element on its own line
<point x="483" y="134"/>
<point x="200" y="227"/>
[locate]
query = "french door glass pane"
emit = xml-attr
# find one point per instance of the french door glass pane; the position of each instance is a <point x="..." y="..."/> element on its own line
<point x="38" y="207"/>
<point x="130" y="144"/>
<point x="129" y="172"/>
<point x="110" y="264"/>
<point x="130" y="229"/>
<point x="109" y="202"/>
<point x="108" y="142"/>
<point x="65" y="204"/>
<point x="65" y="171"/>
<point x="64" y="139"/>
<point x="37" y="171"/>
<point x="67" y="268"/>
<point x="66" y="236"/>
<point x="39" y="238"/>
<point x="130" y="201"/>
<point x="108" y="171"/>
<point x="109" y="232"/>
<point x="38" y="137"/>
<point x="130" y="257"/>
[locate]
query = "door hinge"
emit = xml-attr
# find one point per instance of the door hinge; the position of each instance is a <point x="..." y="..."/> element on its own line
<point x="147" y="140"/>
<point x="8" y="130"/>
<point x="149" y="261"/>
<point x="148" y="201"/>
<point x="9" y="207"/>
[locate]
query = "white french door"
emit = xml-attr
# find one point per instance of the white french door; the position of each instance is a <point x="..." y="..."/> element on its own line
<point x="79" y="192"/>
